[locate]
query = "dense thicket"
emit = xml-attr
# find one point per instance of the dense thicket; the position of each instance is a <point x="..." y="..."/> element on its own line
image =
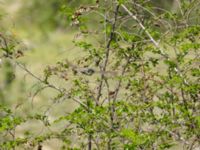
<point x="136" y="85"/>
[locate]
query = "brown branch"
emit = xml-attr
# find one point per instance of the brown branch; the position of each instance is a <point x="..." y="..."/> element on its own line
<point x="107" y="53"/>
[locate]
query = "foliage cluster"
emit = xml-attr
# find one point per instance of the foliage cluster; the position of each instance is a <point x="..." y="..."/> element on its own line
<point x="136" y="87"/>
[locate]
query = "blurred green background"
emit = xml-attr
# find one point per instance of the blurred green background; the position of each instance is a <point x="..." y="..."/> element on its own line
<point x="46" y="36"/>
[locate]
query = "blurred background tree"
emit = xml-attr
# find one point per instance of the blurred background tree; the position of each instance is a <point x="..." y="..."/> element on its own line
<point x="46" y="15"/>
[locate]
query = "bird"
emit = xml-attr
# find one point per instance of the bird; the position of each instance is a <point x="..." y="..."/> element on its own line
<point x="88" y="71"/>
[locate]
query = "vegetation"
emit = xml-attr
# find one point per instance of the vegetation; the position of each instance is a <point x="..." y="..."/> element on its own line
<point x="134" y="82"/>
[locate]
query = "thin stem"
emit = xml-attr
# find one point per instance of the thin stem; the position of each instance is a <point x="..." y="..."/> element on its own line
<point x="107" y="54"/>
<point x="36" y="77"/>
<point x="144" y="28"/>
<point x="90" y="142"/>
<point x="156" y="44"/>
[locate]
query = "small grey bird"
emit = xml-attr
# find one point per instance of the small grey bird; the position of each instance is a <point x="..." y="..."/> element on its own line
<point x="88" y="71"/>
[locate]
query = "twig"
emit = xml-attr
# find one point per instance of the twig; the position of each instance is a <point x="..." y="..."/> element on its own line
<point x="107" y="53"/>
<point x="37" y="78"/>
<point x="145" y="30"/>
<point x="48" y="84"/>
<point x="156" y="44"/>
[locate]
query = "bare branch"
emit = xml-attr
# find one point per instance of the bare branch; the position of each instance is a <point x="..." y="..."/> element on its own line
<point x="107" y="53"/>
